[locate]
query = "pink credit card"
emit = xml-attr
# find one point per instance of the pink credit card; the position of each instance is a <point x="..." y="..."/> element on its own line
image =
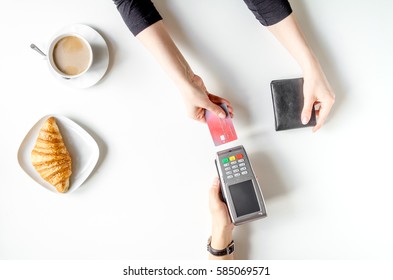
<point x="221" y="130"/>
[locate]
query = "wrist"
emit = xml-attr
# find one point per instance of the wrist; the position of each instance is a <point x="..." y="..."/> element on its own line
<point x="186" y="83"/>
<point x="309" y="65"/>
<point x="221" y="238"/>
<point x="184" y="77"/>
<point x="221" y="254"/>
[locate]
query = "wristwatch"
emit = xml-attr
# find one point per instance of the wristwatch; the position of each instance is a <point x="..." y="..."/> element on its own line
<point x="219" y="253"/>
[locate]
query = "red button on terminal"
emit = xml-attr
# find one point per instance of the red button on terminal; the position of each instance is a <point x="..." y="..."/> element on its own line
<point x="239" y="156"/>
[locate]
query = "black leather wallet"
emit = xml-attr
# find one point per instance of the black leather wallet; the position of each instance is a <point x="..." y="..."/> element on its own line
<point x="288" y="101"/>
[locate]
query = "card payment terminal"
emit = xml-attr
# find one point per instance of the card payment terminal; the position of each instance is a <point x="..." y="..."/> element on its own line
<point x="239" y="186"/>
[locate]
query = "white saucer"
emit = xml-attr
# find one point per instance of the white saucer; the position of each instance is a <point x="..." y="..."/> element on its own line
<point x="100" y="56"/>
<point x="82" y="147"/>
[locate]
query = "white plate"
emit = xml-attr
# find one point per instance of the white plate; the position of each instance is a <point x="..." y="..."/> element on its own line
<point x="100" y="56"/>
<point x="82" y="147"/>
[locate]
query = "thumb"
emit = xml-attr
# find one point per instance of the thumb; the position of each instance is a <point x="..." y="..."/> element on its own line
<point x="307" y="109"/>
<point x="215" y="192"/>
<point x="215" y="109"/>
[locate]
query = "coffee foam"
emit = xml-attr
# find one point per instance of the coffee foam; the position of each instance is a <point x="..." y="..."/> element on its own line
<point x="71" y="55"/>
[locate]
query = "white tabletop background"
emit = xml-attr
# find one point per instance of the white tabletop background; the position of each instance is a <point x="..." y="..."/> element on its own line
<point x="328" y="195"/>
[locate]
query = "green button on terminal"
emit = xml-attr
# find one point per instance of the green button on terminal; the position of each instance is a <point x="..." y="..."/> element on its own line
<point x="225" y="160"/>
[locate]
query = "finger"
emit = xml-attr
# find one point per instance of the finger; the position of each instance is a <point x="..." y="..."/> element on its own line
<point x="202" y="119"/>
<point x="230" y="108"/>
<point x="199" y="115"/>
<point x="323" y="114"/>
<point x="215" y="109"/>
<point x="215" y="192"/>
<point x="307" y="109"/>
<point x="217" y="99"/>
<point x="216" y="184"/>
<point x="317" y="107"/>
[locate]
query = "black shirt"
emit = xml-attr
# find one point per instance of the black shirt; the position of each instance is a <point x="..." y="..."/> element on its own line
<point x="140" y="14"/>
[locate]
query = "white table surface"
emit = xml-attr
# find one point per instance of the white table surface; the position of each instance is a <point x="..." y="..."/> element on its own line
<point x="328" y="195"/>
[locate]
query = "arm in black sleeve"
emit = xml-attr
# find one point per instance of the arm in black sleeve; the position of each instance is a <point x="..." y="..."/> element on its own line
<point x="269" y="12"/>
<point x="137" y="14"/>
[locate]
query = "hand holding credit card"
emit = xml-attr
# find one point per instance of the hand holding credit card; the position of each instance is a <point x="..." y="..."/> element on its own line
<point x="221" y="130"/>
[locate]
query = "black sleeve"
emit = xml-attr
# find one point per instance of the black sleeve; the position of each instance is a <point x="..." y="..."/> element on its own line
<point x="269" y="12"/>
<point x="137" y="14"/>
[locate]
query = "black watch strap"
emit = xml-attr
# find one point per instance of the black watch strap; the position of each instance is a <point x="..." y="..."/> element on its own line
<point x="223" y="252"/>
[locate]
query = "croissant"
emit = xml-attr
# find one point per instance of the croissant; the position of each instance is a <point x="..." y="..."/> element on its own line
<point x="50" y="156"/>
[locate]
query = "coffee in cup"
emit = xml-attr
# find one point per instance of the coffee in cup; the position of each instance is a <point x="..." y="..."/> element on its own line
<point x="70" y="55"/>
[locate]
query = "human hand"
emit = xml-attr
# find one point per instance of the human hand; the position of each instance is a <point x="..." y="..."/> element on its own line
<point x="317" y="92"/>
<point x="158" y="41"/>
<point x="316" y="88"/>
<point x="222" y="225"/>
<point x="198" y="99"/>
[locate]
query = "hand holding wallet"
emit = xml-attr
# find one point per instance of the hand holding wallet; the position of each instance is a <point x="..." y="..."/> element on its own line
<point x="288" y="102"/>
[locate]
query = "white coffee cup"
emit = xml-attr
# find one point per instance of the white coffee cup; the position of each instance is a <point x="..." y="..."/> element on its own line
<point x="70" y="55"/>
